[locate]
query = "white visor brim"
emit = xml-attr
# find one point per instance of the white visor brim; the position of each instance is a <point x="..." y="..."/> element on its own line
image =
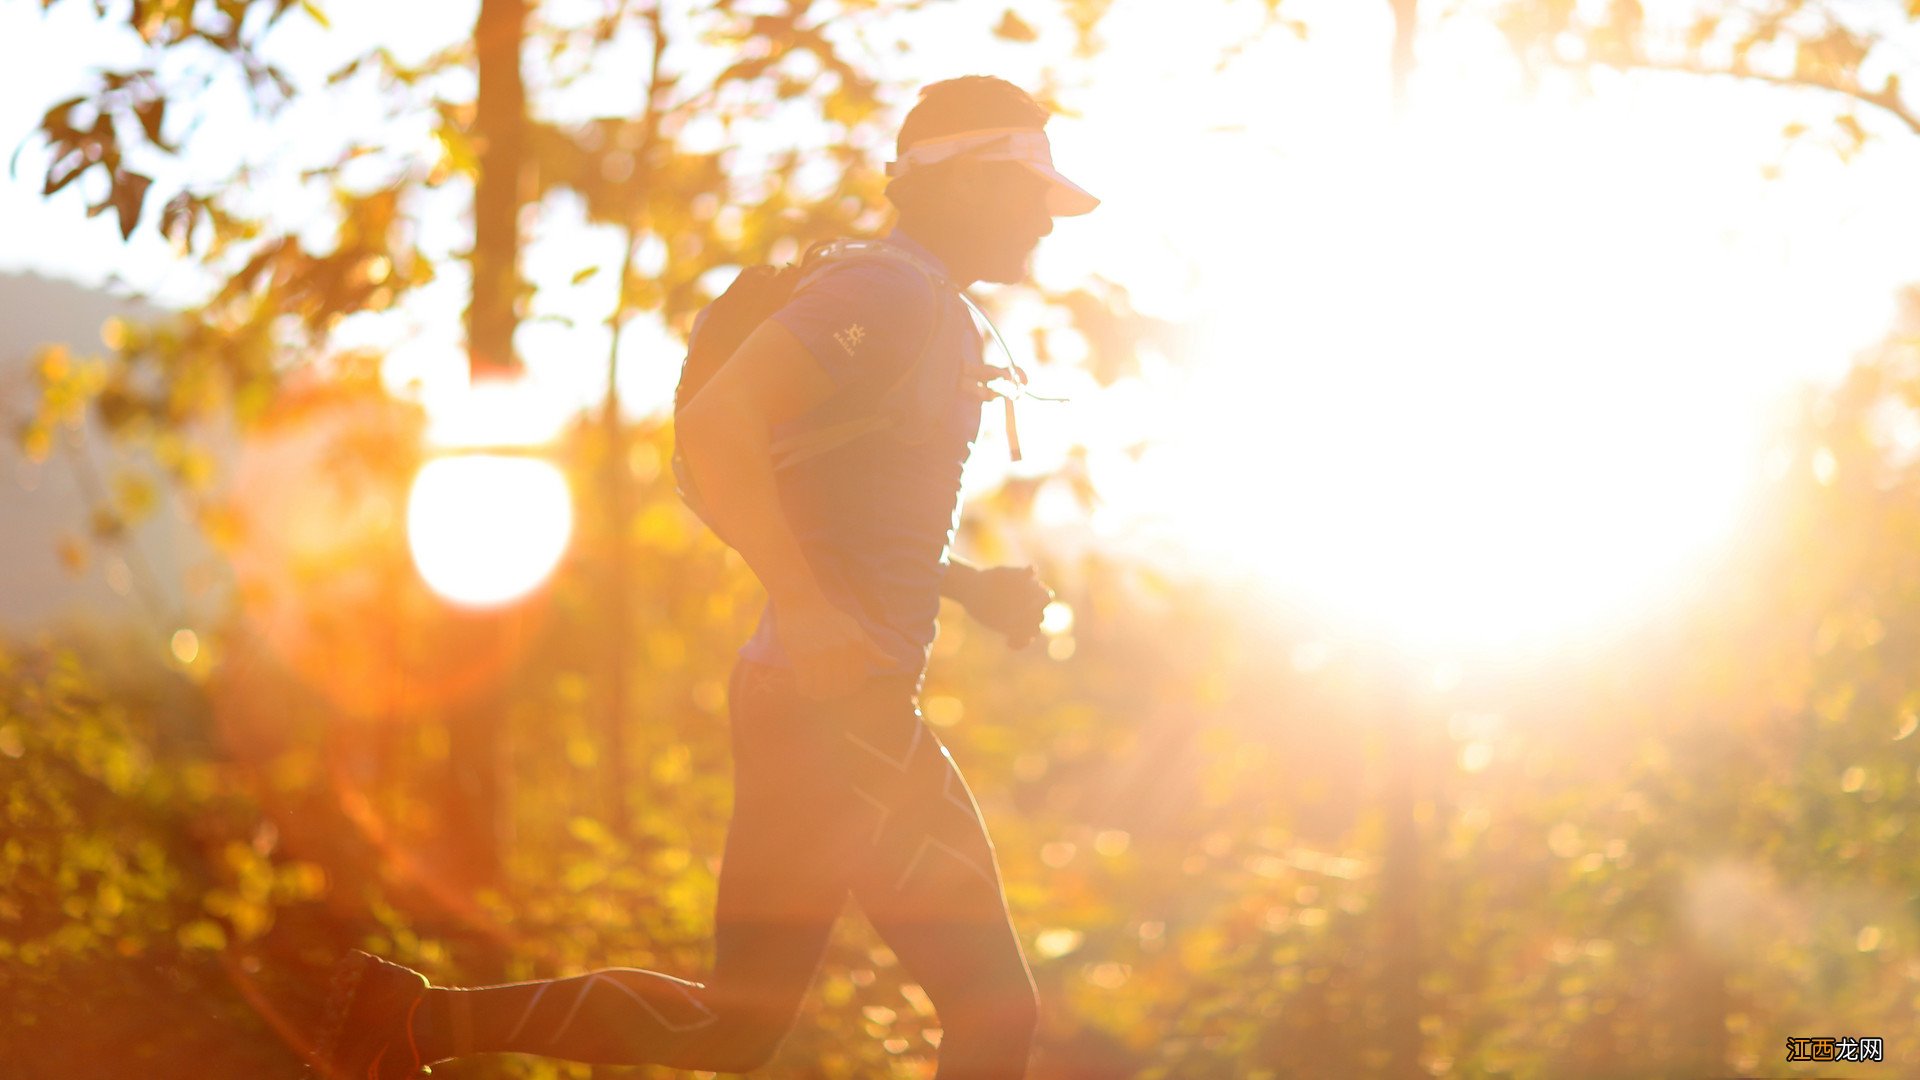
<point x="1027" y="146"/>
<point x="1064" y="197"/>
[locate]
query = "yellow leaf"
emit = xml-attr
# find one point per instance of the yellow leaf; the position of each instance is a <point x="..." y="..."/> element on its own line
<point x="1012" y="27"/>
<point x="52" y="364"/>
<point x="73" y="554"/>
<point x="587" y="830"/>
<point x="202" y="934"/>
<point x="135" y="495"/>
<point x="37" y="442"/>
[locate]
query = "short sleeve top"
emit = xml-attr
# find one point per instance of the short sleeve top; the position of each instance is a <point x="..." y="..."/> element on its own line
<point x="874" y="517"/>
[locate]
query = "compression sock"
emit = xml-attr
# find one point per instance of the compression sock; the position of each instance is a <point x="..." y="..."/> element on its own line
<point x="615" y="1016"/>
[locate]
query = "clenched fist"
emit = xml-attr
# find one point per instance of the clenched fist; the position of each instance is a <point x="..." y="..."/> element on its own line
<point x="1010" y="599"/>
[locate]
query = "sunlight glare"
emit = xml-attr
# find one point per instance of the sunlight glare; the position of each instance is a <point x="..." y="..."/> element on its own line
<point x="486" y="529"/>
<point x="1478" y="401"/>
<point x="1497" y="372"/>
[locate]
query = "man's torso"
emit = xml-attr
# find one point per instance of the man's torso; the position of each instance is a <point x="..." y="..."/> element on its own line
<point x="875" y="515"/>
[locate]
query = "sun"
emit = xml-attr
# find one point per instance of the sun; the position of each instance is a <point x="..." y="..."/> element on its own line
<point x="1462" y="409"/>
<point x="486" y="529"/>
<point x="1496" y="372"/>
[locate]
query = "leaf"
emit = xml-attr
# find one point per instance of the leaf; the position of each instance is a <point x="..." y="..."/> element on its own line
<point x="1856" y="134"/>
<point x="63" y="170"/>
<point x="1012" y="27"/>
<point x="136" y="496"/>
<point x="129" y="194"/>
<point x="36" y="441"/>
<point x="73" y="554"/>
<point x="1702" y="31"/>
<point x="152" y="116"/>
<point x="342" y="74"/>
<point x="589" y="831"/>
<point x="202" y="934"/>
<point x="57" y="120"/>
<point x="584" y="273"/>
<point x="179" y="216"/>
<point x="281" y="83"/>
<point x="106" y="525"/>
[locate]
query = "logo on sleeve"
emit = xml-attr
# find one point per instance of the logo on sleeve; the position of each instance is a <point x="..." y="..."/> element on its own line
<point x="850" y="338"/>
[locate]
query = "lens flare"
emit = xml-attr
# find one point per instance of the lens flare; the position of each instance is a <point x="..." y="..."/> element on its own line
<point x="486" y="529"/>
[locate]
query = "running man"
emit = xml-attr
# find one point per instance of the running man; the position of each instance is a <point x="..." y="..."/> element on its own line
<point x="840" y="786"/>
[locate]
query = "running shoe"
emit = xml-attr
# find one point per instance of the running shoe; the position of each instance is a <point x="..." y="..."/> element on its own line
<point x="368" y="1034"/>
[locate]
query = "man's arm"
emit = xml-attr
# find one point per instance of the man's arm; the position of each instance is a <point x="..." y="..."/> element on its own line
<point x="726" y="433"/>
<point x="957" y="579"/>
<point x="1010" y="599"/>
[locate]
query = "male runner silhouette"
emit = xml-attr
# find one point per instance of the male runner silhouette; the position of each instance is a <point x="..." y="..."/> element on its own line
<point x="840" y="786"/>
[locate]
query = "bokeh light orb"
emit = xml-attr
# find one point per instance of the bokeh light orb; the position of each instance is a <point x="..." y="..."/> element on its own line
<point x="486" y="529"/>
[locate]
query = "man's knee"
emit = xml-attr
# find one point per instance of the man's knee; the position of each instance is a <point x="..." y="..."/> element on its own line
<point x="1022" y="1016"/>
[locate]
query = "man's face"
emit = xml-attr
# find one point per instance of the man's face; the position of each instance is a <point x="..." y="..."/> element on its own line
<point x="1008" y="213"/>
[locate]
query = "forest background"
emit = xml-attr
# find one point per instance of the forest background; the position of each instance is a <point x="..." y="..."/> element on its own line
<point x="1435" y="765"/>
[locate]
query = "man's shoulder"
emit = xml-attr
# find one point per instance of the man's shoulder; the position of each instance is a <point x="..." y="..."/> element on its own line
<point x="874" y="276"/>
<point x="863" y="311"/>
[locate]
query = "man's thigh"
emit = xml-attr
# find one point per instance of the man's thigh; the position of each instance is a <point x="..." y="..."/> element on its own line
<point x="792" y="846"/>
<point x="930" y="884"/>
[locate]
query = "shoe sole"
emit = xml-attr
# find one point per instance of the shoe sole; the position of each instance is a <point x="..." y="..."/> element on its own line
<point x="342" y="985"/>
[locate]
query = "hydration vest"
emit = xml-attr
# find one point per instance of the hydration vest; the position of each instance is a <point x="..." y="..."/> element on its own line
<point x="754" y="296"/>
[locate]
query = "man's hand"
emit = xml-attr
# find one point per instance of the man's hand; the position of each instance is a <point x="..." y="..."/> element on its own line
<point x="831" y="652"/>
<point x="979" y="374"/>
<point x="1010" y="599"/>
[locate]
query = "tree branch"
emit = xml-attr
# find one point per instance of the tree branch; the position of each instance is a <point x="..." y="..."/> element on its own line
<point x="1886" y="99"/>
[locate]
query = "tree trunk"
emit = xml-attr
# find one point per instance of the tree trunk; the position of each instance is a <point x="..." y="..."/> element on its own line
<point x="476" y="801"/>
<point x="618" y="479"/>
<point x="1405" y="23"/>
<point x="499" y="130"/>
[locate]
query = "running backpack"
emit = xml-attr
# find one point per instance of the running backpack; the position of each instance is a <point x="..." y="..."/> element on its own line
<point x="755" y="295"/>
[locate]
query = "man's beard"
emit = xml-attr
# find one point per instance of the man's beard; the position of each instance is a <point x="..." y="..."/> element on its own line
<point x="1005" y="260"/>
<point x="996" y="252"/>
